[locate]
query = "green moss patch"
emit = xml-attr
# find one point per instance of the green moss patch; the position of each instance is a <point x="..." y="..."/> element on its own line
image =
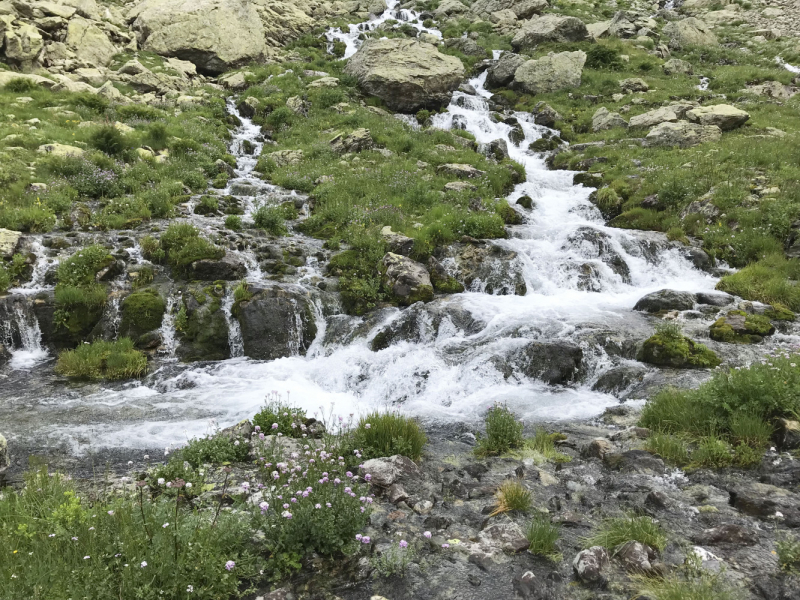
<point x="142" y="311"/>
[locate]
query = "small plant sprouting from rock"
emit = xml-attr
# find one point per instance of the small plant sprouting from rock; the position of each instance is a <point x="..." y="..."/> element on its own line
<point x="788" y="549"/>
<point x="381" y="434"/>
<point x="503" y="432"/>
<point x="394" y="561"/>
<point x="543" y="535"/>
<point x="615" y="531"/>
<point x="512" y="496"/>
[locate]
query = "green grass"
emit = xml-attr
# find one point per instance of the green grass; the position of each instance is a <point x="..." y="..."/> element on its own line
<point x="673" y="587"/>
<point x="615" y="531"/>
<point x="182" y="244"/>
<point x="771" y="280"/>
<point x="380" y="434"/>
<point x="673" y="449"/>
<point x="512" y="496"/>
<point x="503" y="432"/>
<point x="215" y="449"/>
<point x="543" y="535"/>
<point x="59" y="543"/>
<point x="280" y="417"/>
<point x="102" y="360"/>
<point x="541" y="447"/>
<point x="788" y="549"/>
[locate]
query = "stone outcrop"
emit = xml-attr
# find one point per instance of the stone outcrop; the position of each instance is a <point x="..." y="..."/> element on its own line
<point x="549" y="28"/>
<point x="406" y="280"/>
<point x="653" y="117"/>
<point x="408" y="75"/>
<point x="502" y="72"/>
<point x="724" y="116"/>
<point x="682" y="134"/>
<point x="276" y="322"/>
<point x="689" y="32"/>
<point x="9" y="241"/>
<point x="550" y="73"/>
<point x="215" y="35"/>
<point x="522" y="9"/>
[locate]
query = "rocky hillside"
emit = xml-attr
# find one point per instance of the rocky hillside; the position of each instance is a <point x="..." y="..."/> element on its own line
<point x="434" y="205"/>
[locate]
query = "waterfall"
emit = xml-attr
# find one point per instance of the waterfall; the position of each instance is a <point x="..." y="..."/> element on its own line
<point x="23" y="339"/>
<point x="40" y="268"/>
<point x="169" y="342"/>
<point x="234" y="329"/>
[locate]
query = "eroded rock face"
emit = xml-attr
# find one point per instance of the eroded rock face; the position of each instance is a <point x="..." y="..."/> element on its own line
<point x="276" y="322"/>
<point x="215" y="35"/>
<point x="550" y="73"/>
<point x="408" y="75"/>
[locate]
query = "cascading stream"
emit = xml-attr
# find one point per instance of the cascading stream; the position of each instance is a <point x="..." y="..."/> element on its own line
<point x="581" y="276"/>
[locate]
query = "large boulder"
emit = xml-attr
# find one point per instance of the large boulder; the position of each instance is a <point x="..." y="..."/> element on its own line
<point x="603" y="119"/>
<point x="215" y="35"/>
<point x="689" y="32"/>
<point x="276" y="322"/>
<point x="90" y="44"/>
<point x="724" y="116"/>
<point x="227" y="268"/>
<point x="682" y="134"/>
<point x="654" y="117"/>
<point x="407" y="281"/>
<point x="502" y="72"/>
<point x="550" y="73"/>
<point x="550" y="28"/>
<point x="408" y="75"/>
<point x="665" y="300"/>
<point x="23" y="45"/>
<point x="522" y="9"/>
<point x="202" y="326"/>
<point x="9" y="240"/>
<point x="555" y="363"/>
<point x="486" y="268"/>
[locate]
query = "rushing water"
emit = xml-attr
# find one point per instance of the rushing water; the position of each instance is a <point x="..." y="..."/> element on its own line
<point x="448" y="373"/>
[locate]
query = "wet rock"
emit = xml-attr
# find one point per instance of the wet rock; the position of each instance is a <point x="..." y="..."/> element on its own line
<point x="203" y="334"/>
<point x="501" y="74"/>
<point x="386" y="471"/>
<point x="741" y="328"/>
<point x="765" y="501"/>
<point x="276" y="322"/>
<point x="408" y="75"/>
<point x="507" y="537"/>
<point x="665" y="300"/>
<point x="422" y="323"/>
<point x="556" y="363"/>
<point x="228" y="268"/>
<point x="619" y="379"/>
<point x="408" y="281"/>
<point x="728" y="533"/>
<point x="497" y="149"/>
<point x="589" y="564"/>
<point x="544" y="114"/>
<point x="593" y="243"/>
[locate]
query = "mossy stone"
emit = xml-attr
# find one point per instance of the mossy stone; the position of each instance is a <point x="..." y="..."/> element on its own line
<point x="738" y="327"/>
<point x="778" y="312"/>
<point x="678" y="352"/>
<point x="525" y="202"/>
<point x="142" y="311"/>
<point x="508" y="214"/>
<point x="203" y="333"/>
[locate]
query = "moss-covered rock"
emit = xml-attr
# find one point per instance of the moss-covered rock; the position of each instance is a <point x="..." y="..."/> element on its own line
<point x="142" y="311"/>
<point x="677" y="351"/>
<point x="508" y="214"/>
<point x="201" y="324"/>
<point x="778" y="312"/>
<point x="738" y="327"/>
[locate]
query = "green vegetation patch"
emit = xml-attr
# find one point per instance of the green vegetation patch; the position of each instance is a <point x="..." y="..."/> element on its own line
<point x="669" y="348"/>
<point x="142" y="311"/>
<point x="102" y="360"/>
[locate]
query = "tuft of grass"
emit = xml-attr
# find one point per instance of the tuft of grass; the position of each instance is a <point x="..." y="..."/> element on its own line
<point x="216" y="449"/>
<point x="109" y="139"/>
<point x="750" y="429"/>
<point x="271" y="219"/>
<point x="280" y="417"/>
<point x="512" y="496"/>
<point x="712" y="452"/>
<point x="672" y="448"/>
<point x="615" y="531"/>
<point x="542" y="444"/>
<point x="102" y="360"/>
<point x="704" y="587"/>
<point x="542" y="535"/>
<point x="503" y="432"/>
<point x="381" y="434"/>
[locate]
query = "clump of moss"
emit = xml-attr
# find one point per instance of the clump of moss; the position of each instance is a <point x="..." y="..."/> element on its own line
<point x="142" y="311"/>
<point x="751" y="330"/>
<point x="669" y="348"/>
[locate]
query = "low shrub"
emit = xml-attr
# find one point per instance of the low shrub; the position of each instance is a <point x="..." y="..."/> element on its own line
<point x="381" y="434"/>
<point x="271" y="219"/>
<point x="80" y="269"/>
<point x="279" y="417"/>
<point x="615" y="531"/>
<point x="21" y="85"/>
<point x="503" y="432"/>
<point x="233" y="222"/>
<point x="102" y="360"/>
<point x="542" y="535"/>
<point x="394" y="561"/>
<point x="216" y="449"/>
<point x="712" y="452"/>
<point x="108" y="139"/>
<point x="788" y="549"/>
<point x="125" y="546"/>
